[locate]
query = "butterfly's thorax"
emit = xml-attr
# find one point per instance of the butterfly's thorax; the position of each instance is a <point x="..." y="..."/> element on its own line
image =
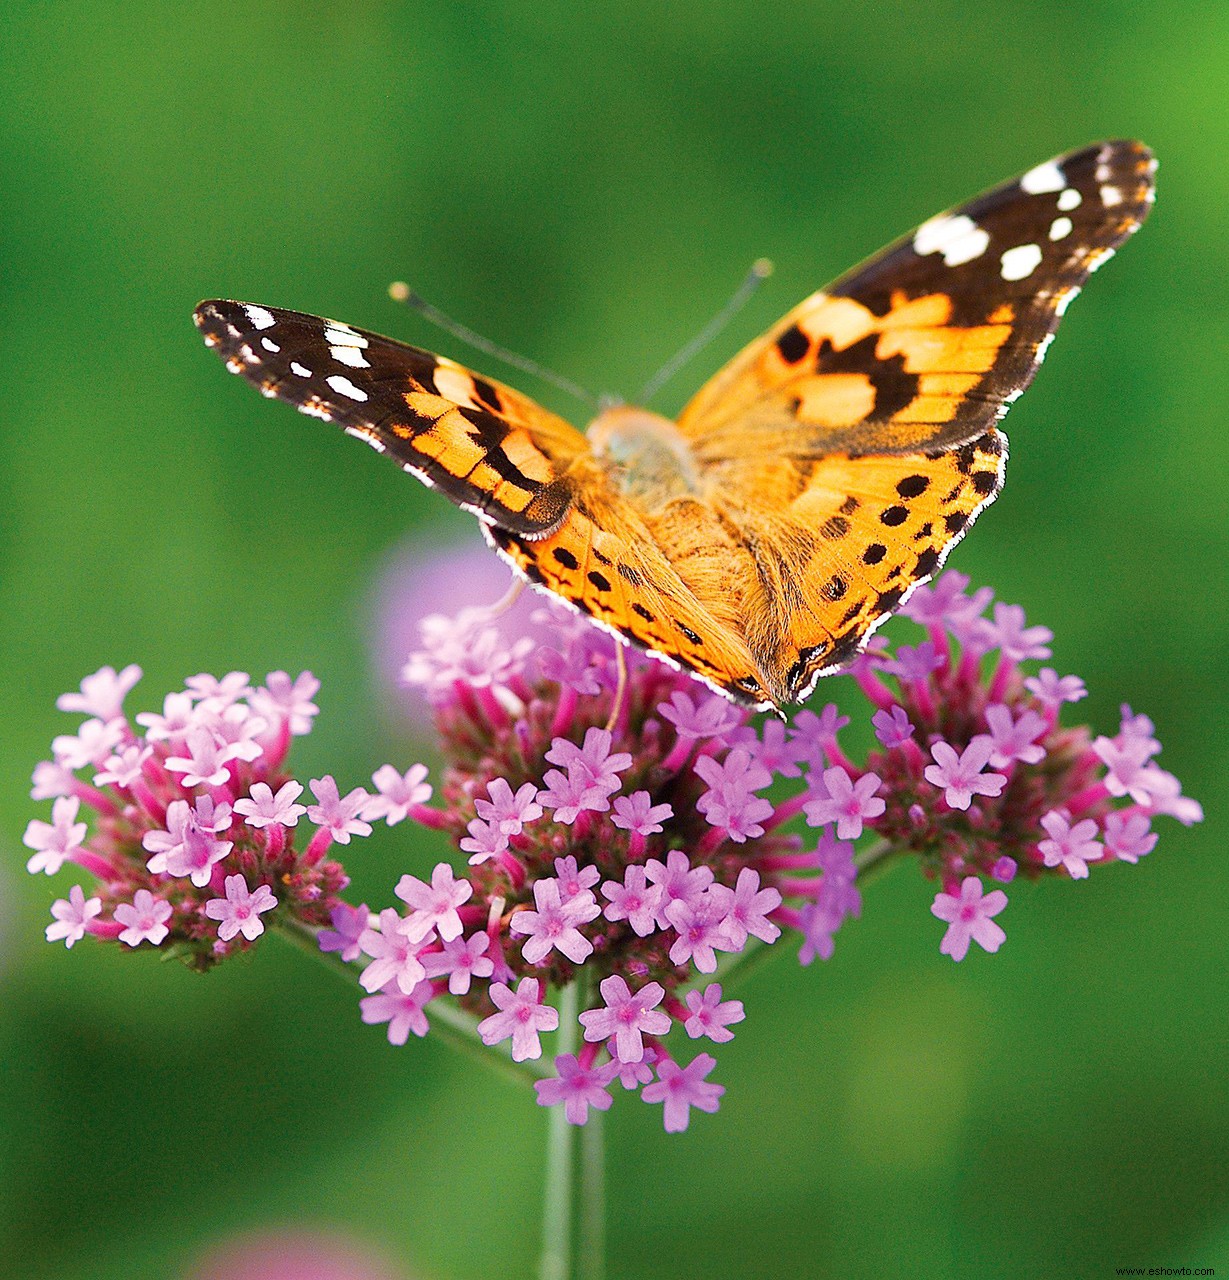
<point x="647" y="456"/>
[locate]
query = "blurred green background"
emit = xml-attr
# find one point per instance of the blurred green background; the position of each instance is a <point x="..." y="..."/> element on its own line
<point x="586" y="184"/>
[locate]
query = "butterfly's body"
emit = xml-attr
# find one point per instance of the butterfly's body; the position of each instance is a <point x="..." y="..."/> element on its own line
<point x="804" y="491"/>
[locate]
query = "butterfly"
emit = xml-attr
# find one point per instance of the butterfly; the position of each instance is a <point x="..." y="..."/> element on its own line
<point x="803" y="492"/>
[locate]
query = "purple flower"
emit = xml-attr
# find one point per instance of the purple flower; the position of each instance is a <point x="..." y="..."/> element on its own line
<point x="577" y="1087"/>
<point x="72" y="916"/>
<point x="627" y="1018"/>
<point x="745" y="909"/>
<point x="1070" y="846"/>
<point x="435" y="904"/>
<point x="849" y="804"/>
<point x="574" y="881"/>
<point x="281" y="699"/>
<point x="592" y="764"/>
<point x="710" y="1016"/>
<point x="635" y="900"/>
<point x="239" y="911"/>
<point x="506" y="811"/>
<point x="1129" y="835"/>
<point x="398" y="793"/>
<point x="262" y="808"/>
<point x="1018" y="642"/>
<point x="1051" y="689"/>
<point x="969" y="917"/>
<point x="682" y="1088"/>
<point x="730" y="802"/>
<point x="914" y="663"/>
<point x="349" y="924"/>
<point x="893" y="728"/>
<point x="960" y="775"/>
<point x="813" y="734"/>
<point x="56" y="841"/>
<point x="485" y="841"/>
<point x="705" y="717"/>
<point x="91" y="744"/>
<point x="944" y="601"/>
<point x="637" y="813"/>
<point x="124" y="767"/>
<point x="144" y="919"/>
<point x="1014" y="739"/>
<point x="462" y="959"/>
<point x="700" y="933"/>
<point x="553" y="926"/>
<point x="339" y="817"/>
<point x="394" y="958"/>
<point x="402" y="1010"/>
<point x="189" y="846"/>
<point x="522" y="1015"/>
<point x="205" y="763"/>
<point x="102" y="694"/>
<point x="677" y="880"/>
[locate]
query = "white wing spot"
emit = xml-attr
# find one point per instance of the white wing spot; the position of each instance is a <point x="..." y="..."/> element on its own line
<point x="1020" y="262"/>
<point x="344" y="387"/>
<point x="1069" y="199"/>
<point x="302" y="370"/>
<point x="341" y="335"/>
<point x="269" y="345"/>
<point x="1065" y="299"/>
<point x="1110" y="196"/>
<point x="1098" y="258"/>
<point x="959" y="239"/>
<point x="1042" y="347"/>
<point x="353" y="356"/>
<point x="259" y="316"/>
<point x="1060" y="227"/>
<point x="1045" y="177"/>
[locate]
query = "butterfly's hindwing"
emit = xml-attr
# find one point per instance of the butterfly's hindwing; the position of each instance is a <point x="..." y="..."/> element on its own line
<point x="486" y="446"/>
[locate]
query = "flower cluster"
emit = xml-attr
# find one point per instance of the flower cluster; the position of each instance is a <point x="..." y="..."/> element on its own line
<point x="193" y="816"/>
<point x="628" y="836"/>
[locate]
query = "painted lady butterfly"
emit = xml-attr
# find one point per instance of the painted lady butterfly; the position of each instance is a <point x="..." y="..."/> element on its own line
<point x="804" y="491"/>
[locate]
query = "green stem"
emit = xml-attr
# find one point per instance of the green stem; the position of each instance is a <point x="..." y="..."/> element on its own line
<point x="555" y="1262"/>
<point x="458" y="1028"/>
<point x="592" y="1248"/>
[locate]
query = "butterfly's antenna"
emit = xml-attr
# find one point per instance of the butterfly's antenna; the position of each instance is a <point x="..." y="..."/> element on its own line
<point x="401" y="292"/>
<point x="761" y="269"/>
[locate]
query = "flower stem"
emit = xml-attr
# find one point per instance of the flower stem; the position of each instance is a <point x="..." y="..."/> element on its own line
<point x="555" y="1262"/>
<point x="458" y="1028"/>
<point x="591" y="1262"/>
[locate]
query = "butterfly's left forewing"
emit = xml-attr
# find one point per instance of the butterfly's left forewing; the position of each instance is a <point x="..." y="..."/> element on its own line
<point x="489" y="448"/>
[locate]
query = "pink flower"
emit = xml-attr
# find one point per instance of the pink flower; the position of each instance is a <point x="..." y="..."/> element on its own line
<point x="393" y="956"/>
<point x="72" y="916"/>
<point x="124" y="767"/>
<point x="577" y="1087"/>
<point x="339" y="817"/>
<point x="626" y="1018"/>
<point x="700" y="933"/>
<point x="677" y="881"/>
<point x="849" y="804"/>
<point x="1129" y="835"/>
<point x="403" y="1011"/>
<point x="522" y="1015"/>
<point x="682" y="1088"/>
<point x="508" y="812"/>
<point x="969" y="918"/>
<point x="710" y="1016"/>
<point x="1073" y="847"/>
<point x="553" y="926"/>
<point x="91" y="744"/>
<point x="56" y="841"/>
<point x="635" y="900"/>
<point x="434" y="905"/>
<point x="960" y="775"/>
<point x="462" y="959"/>
<point x="262" y="808"/>
<point x="102" y="694"/>
<point x="745" y="908"/>
<point x="349" y="924"/>
<point x="399" y="793"/>
<point x="145" y="919"/>
<point x="205" y="765"/>
<point x="281" y="698"/>
<point x="239" y="911"/>
<point x="1014" y="739"/>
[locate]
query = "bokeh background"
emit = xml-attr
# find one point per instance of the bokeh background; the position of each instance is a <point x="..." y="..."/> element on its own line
<point x="586" y="183"/>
